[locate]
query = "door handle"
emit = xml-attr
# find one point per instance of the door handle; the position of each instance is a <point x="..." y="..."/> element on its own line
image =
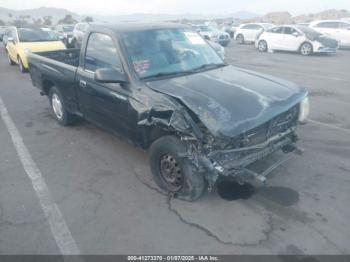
<point x="82" y="83"/>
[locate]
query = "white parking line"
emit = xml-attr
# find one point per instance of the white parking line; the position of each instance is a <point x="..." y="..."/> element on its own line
<point x="58" y="226"/>
<point x="330" y="126"/>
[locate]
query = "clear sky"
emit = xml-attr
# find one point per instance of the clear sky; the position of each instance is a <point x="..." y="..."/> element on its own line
<point x="116" y="7"/>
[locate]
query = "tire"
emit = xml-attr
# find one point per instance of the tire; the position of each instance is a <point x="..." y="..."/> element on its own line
<point x="240" y="39"/>
<point x="262" y="46"/>
<point x="174" y="173"/>
<point x="62" y="116"/>
<point x="11" y="63"/>
<point x="22" y="69"/>
<point x="306" y="49"/>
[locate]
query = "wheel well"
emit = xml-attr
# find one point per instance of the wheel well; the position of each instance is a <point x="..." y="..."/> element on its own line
<point x="46" y="86"/>
<point x="306" y="42"/>
<point x="153" y="134"/>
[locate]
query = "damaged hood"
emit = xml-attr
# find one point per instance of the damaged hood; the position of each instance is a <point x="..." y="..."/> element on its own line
<point x="231" y="100"/>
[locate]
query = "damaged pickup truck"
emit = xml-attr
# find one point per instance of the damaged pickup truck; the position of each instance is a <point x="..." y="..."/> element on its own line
<point x="162" y="87"/>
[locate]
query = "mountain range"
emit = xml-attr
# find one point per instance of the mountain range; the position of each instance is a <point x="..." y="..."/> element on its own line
<point x="55" y="14"/>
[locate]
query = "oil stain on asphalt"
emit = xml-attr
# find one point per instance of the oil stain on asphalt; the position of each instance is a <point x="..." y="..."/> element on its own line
<point x="230" y="190"/>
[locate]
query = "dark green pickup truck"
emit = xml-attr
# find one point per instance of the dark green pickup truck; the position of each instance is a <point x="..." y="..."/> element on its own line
<point x="162" y="87"/>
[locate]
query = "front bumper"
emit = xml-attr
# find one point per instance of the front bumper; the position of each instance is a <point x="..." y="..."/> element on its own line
<point x="233" y="163"/>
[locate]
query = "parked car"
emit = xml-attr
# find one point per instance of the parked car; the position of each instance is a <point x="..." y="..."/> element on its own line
<point x="213" y="34"/>
<point x="65" y="34"/>
<point x="2" y="32"/>
<point x="230" y="28"/>
<point x="337" y="29"/>
<point x="166" y="90"/>
<point x="297" y="38"/>
<point x="24" y="40"/>
<point x="79" y="32"/>
<point x="250" y="32"/>
<point x="6" y="35"/>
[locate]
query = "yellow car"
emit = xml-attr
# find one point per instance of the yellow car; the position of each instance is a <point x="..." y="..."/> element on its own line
<point x="24" y="40"/>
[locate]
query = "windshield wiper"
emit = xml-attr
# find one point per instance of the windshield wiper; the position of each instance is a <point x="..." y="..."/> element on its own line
<point x="195" y="70"/>
<point x="207" y="66"/>
<point x="161" y="74"/>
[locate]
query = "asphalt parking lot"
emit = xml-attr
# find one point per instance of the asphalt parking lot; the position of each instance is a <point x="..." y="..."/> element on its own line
<point x="110" y="205"/>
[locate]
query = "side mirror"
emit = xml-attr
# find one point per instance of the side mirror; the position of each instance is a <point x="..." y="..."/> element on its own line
<point x="295" y="34"/>
<point x="109" y="75"/>
<point x="10" y="39"/>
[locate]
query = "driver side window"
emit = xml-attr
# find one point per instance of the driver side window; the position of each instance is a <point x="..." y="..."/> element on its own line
<point x="276" y="30"/>
<point x="101" y="53"/>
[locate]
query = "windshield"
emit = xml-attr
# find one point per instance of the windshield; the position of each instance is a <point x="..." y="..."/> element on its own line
<point x="36" y="35"/>
<point x="165" y="52"/>
<point x="68" y="28"/>
<point x="309" y="32"/>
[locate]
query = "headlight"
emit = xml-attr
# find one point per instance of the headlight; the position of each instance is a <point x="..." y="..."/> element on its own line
<point x="304" y="111"/>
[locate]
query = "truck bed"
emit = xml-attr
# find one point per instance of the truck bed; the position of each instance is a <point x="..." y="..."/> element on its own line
<point x="68" y="56"/>
<point x="56" y="68"/>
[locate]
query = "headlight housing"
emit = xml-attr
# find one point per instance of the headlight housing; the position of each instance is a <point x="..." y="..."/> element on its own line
<point x="304" y="110"/>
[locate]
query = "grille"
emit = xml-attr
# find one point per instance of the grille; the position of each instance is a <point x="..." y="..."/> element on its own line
<point x="277" y="125"/>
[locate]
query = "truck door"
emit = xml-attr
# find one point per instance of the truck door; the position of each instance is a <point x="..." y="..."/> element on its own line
<point x="104" y="104"/>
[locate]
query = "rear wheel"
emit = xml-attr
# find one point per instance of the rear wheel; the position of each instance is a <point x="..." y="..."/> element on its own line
<point x="240" y="39"/>
<point x="306" y="49"/>
<point x="62" y="116"/>
<point x="173" y="172"/>
<point x="262" y="46"/>
<point x="10" y="60"/>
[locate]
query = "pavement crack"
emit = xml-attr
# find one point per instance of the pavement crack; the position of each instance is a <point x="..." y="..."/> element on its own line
<point x="267" y="232"/>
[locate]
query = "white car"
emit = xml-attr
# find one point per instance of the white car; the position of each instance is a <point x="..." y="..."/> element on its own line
<point x="213" y="34"/>
<point x="337" y="29"/>
<point x="296" y="38"/>
<point x="250" y="32"/>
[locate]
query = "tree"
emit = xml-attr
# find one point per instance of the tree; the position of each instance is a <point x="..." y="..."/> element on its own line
<point x="88" y="19"/>
<point x="37" y="21"/>
<point x="47" y="20"/>
<point x="68" y="19"/>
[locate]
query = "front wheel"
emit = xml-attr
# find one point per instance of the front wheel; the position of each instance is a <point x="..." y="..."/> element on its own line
<point x="62" y="116"/>
<point x="262" y="46"/>
<point x="173" y="172"/>
<point x="306" y="49"/>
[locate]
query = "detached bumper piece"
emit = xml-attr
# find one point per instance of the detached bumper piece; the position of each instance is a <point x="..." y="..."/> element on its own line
<point x="261" y="178"/>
